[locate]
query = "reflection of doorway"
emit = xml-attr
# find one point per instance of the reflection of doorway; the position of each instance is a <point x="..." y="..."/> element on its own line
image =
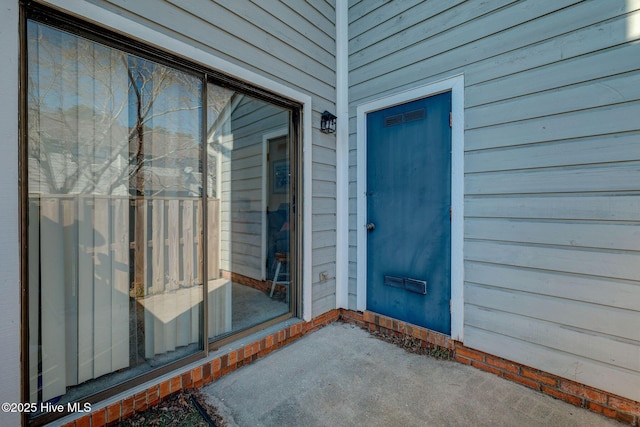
<point x="276" y="173"/>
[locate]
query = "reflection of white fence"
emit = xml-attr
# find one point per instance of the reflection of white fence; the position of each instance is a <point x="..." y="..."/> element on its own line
<point x="89" y="256"/>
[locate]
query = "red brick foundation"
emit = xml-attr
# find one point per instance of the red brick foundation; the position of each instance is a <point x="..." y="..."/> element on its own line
<point x="261" y="285"/>
<point x="602" y="402"/>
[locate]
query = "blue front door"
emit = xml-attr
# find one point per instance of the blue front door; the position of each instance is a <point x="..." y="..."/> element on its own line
<point x="408" y="211"/>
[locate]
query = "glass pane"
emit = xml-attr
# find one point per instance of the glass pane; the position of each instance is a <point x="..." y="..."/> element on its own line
<point x="248" y="147"/>
<point x="115" y="215"/>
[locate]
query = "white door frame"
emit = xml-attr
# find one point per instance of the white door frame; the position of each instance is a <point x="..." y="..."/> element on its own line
<point x="455" y="84"/>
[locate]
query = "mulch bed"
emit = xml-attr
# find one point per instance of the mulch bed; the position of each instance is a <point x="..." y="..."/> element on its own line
<point x="177" y="410"/>
<point x="414" y="345"/>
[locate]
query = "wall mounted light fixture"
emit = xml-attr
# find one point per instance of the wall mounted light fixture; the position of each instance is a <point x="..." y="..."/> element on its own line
<point x="327" y="122"/>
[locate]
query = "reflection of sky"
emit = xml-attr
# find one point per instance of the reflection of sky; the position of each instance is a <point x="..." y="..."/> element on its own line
<point x="171" y="98"/>
<point x="77" y="74"/>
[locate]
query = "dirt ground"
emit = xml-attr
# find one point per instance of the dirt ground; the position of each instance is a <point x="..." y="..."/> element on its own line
<point x="178" y="410"/>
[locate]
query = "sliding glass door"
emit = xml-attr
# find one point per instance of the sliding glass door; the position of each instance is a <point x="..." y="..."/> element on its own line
<point x="158" y="216"/>
<point x="115" y="212"/>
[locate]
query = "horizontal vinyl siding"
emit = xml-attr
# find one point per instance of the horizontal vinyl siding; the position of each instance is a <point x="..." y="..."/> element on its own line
<point x="291" y="42"/>
<point x="552" y="169"/>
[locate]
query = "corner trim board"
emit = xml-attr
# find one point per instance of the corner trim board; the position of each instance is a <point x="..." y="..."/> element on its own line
<point x="342" y="155"/>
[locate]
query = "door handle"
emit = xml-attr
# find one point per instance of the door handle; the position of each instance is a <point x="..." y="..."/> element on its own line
<point x="371" y="226"/>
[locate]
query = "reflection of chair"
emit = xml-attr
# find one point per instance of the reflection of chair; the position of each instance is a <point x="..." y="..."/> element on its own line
<point x="277" y="236"/>
<point x="282" y="259"/>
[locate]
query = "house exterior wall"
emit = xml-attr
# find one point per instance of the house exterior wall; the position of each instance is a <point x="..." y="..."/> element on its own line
<point x="551" y="155"/>
<point x="551" y="184"/>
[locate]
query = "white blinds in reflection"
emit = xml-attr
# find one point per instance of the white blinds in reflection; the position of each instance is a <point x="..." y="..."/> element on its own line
<point x="115" y="212"/>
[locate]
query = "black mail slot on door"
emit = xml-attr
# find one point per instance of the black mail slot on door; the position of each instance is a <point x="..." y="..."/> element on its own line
<point x="411" y="285"/>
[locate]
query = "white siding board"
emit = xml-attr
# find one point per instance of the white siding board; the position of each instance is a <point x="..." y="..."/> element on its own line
<point x="323" y="255"/>
<point x="324" y="188"/>
<point x="597" y="290"/>
<point x="371" y="29"/>
<point x="324" y="205"/>
<point x="576" y="341"/>
<point x="323" y="239"/>
<point x="353" y="299"/>
<point x="615" y="264"/>
<point x="324" y="222"/>
<point x="324" y="155"/>
<point x="615" y="177"/>
<point x="580" y="151"/>
<point x="623" y="236"/>
<point x="611" y="207"/>
<point x="315" y="18"/>
<point x="323" y="172"/>
<point x="323" y="139"/>
<point x="485" y="60"/>
<point x="324" y="289"/>
<point x="595" y="93"/>
<point x="596" y="121"/>
<point x="568" y="33"/>
<point x="476" y="28"/>
<point x="322" y="305"/>
<point x="582" y="370"/>
<point x="289" y="16"/>
<point x="329" y="268"/>
<point x="593" y="317"/>
<point x="436" y="34"/>
<point x="352" y="252"/>
<point x="359" y="9"/>
<point x="542" y="66"/>
<point x="326" y="9"/>
<point x="284" y="30"/>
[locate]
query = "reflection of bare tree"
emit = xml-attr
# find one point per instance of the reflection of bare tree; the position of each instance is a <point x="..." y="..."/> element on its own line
<point x="105" y="122"/>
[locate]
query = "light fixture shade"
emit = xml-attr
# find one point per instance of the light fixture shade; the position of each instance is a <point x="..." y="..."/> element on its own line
<point x="327" y="122"/>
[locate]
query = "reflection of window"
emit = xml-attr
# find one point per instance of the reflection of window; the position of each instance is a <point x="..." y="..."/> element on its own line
<point x="124" y="157"/>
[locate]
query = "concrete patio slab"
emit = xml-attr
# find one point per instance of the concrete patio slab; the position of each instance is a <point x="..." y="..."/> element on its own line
<point x="343" y="376"/>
